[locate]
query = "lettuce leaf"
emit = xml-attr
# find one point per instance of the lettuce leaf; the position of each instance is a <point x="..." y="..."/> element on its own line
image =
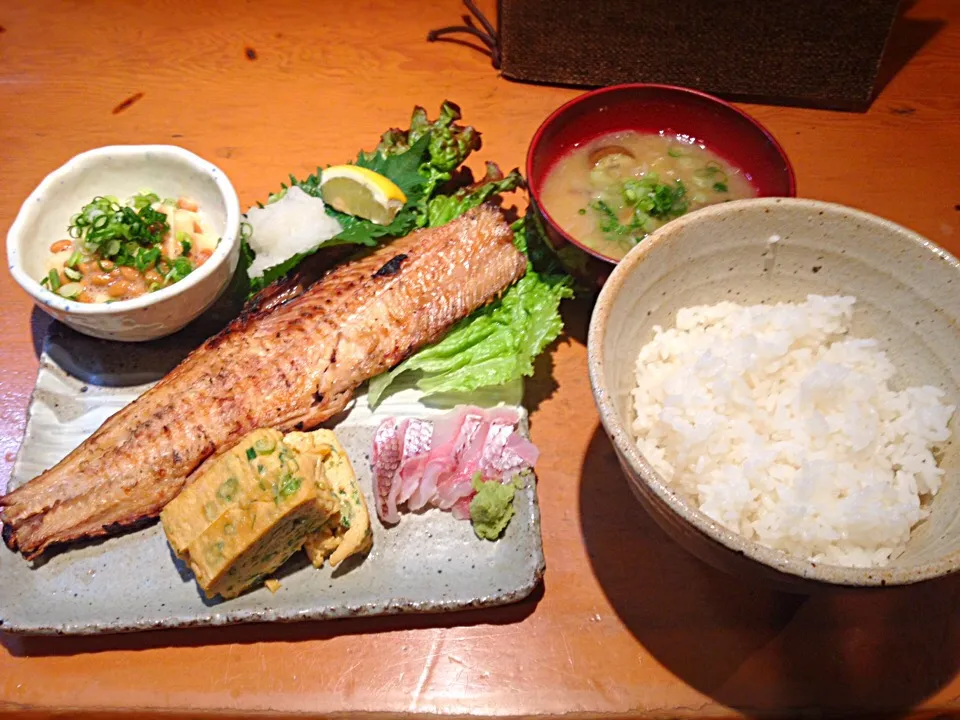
<point x="449" y="145"/>
<point x="443" y="208"/>
<point x="494" y="345"/>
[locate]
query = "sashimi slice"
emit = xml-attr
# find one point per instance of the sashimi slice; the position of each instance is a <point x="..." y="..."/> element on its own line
<point x="386" y="462"/>
<point x="518" y="454"/>
<point x="420" y="463"/>
<point x="442" y="457"/>
<point x="487" y="445"/>
<point x="453" y="485"/>
<point x="502" y="424"/>
<point x="468" y="446"/>
<point x="416" y="447"/>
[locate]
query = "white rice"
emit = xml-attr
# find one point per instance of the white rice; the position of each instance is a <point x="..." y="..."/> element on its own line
<point x="782" y="429"/>
<point x="295" y="223"/>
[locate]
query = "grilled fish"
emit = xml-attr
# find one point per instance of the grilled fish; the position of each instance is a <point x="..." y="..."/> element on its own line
<point x="289" y="364"/>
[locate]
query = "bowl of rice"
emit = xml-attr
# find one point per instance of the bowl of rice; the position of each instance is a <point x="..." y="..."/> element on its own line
<point x="779" y="379"/>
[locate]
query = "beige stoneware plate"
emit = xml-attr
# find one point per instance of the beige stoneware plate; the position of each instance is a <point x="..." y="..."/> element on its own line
<point x="428" y="563"/>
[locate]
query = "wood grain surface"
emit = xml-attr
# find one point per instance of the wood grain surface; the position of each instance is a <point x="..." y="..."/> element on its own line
<point x="627" y="624"/>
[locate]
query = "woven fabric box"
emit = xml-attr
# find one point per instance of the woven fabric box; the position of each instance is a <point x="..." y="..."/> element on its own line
<point x="823" y="53"/>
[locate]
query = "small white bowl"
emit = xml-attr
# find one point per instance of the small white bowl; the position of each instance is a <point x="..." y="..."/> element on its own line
<point x="124" y="170"/>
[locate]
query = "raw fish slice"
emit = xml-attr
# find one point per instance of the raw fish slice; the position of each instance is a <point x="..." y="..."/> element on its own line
<point x="472" y="431"/>
<point x="487" y="445"/>
<point x="442" y="456"/>
<point x="452" y="486"/>
<point x="518" y="454"/>
<point x="386" y="462"/>
<point x="503" y="421"/>
<point x="416" y="447"/>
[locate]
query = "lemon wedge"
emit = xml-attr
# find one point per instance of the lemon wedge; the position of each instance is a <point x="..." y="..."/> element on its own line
<point x="361" y="192"/>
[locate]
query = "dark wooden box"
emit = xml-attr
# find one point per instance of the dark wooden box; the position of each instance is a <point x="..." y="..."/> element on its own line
<point x="824" y="53"/>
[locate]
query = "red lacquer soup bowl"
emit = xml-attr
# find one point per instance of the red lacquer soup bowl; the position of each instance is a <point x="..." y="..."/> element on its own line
<point x="725" y="130"/>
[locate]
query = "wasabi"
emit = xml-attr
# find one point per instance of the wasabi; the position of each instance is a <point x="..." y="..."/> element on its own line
<point x="492" y="507"/>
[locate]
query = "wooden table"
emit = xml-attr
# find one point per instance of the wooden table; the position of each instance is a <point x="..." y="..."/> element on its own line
<point x="628" y="623"/>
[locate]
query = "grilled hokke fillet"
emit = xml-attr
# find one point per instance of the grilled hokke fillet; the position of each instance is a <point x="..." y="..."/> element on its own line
<point x="288" y="367"/>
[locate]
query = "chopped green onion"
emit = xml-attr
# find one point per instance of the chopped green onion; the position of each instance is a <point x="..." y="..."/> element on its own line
<point x="112" y="231"/>
<point x="712" y="171"/>
<point x="142" y="200"/>
<point x="289" y="485"/>
<point x="70" y="290"/>
<point x="72" y="274"/>
<point x="264" y="446"/>
<point x="143" y="260"/>
<point x="184" y="239"/>
<point x="102" y="267"/>
<point x="720" y="187"/>
<point x="54" y="277"/>
<point x="45" y="281"/>
<point x="645" y="198"/>
<point x="251" y="453"/>
<point x="227" y="490"/>
<point x="74" y="259"/>
<point x="179" y="268"/>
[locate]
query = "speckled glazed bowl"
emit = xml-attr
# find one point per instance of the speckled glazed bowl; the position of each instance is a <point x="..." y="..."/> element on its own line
<point x="908" y="298"/>
<point x="124" y="170"/>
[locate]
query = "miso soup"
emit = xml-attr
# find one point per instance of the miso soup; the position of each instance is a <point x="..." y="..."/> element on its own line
<point x="613" y="191"/>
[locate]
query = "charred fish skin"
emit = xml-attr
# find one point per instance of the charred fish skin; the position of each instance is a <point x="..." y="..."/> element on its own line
<point x="289" y="365"/>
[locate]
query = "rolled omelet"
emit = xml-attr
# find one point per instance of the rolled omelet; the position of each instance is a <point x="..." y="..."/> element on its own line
<point x="248" y="543"/>
<point x="252" y="507"/>
<point x="237" y="477"/>
<point x="350" y="534"/>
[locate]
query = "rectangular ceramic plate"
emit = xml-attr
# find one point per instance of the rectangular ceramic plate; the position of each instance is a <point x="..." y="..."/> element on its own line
<point x="429" y="562"/>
